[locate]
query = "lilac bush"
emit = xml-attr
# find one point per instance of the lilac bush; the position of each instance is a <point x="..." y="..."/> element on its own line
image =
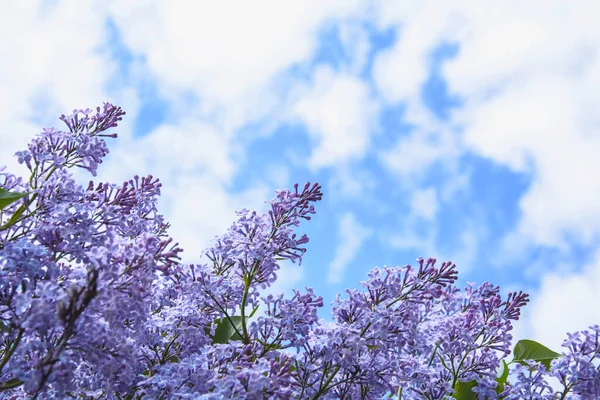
<point x="95" y="304"/>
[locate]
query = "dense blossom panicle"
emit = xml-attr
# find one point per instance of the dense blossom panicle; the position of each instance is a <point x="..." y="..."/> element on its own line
<point x="70" y="258"/>
<point x="89" y="121"/>
<point x="578" y="371"/>
<point x="253" y="243"/>
<point x="223" y="371"/>
<point x="287" y="321"/>
<point x="580" y="366"/>
<point x="418" y="314"/>
<point x="82" y="146"/>
<point x="486" y="388"/>
<point x="95" y="304"/>
<point x="531" y="382"/>
<point x="11" y="182"/>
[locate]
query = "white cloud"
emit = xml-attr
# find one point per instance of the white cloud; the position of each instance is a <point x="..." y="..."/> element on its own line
<point x="463" y="254"/>
<point x="190" y="147"/>
<point x="199" y="208"/>
<point x="459" y="183"/>
<point x="415" y="153"/>
<point x="228" y="55"/>
<point x="278" y="175"/>
<point x="502" y="43"/>
<point x="565" y="302"/>
<point x="352" y="235"/>
<point x="418" y="231"/>
<point x="351" y="182"/>
<point x="406" y="240"/>
<point x="424" y="203"/>
<point x="337" y="110"/>
<point x="355" y="40"/>
<point x="400" y="71"/>
<point x="51" y="61"/>
<point x="527" y="83"/>
<point x="526" y="71"/>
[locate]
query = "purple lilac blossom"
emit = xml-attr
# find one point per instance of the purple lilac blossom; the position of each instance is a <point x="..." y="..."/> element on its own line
<point x="71" y="261"/>
<point x="95" y="304"/>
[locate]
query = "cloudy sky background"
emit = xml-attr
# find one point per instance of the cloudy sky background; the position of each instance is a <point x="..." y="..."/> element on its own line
<point x="466" y="131"/>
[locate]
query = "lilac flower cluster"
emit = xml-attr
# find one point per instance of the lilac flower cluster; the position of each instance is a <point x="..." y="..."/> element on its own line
<point x="95" y="304"/>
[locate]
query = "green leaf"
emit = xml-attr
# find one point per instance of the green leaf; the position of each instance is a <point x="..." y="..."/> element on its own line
<point x="11" y="384"/>
<point x="3" y="328"/>
<point x="502" y="374"/>
<point x="236" y="336"/>
<point x="225" y="330"/>
<point x="531" y="350"/>
<point x="14" y="218"/>
<point x="7" y="197"/>
<point x="253" y="311"/>
<point x="463" y="390"/>
<point x="501" y="379"/>
<point x="274" y="346"/>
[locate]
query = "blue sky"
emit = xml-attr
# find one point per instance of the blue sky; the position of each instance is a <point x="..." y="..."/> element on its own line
<point x="458" y="131"/>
